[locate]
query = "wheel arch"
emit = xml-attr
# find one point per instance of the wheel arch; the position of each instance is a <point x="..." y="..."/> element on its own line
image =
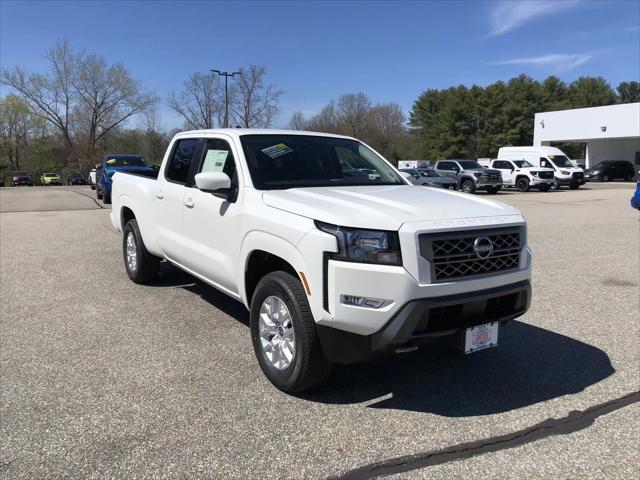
<point x="262" y="253"/>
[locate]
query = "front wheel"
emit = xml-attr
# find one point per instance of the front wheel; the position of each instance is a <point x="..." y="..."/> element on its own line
<point x="141" y="266"/>
<point x="605" y="178"/>
<point x="523" y="184"/>
<point x="556" y="184"/>
<point x="284" y="335"/>
<point x="468" y="186"/>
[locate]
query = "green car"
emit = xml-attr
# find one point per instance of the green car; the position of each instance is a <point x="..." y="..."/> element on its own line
<point x="50" y="179"/>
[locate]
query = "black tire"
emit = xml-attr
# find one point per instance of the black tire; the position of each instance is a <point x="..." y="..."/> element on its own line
<point x="467" y="186"/>
<point x="556" y="184"/>
<point x="98" y="193"/>
<point x="493" y="190"/>
<point x="522" y="184"/>
<point x="628" y="178"/>
<point x="309" y="367"/>
<point x="605" y="178"/>
<point x="106" y="198"/>
<point x="147" y="265"/>
<point x="93" y="187"/>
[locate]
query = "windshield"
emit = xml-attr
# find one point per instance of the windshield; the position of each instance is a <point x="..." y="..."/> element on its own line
<point x="469" y="164"/>
<point x="50" y="174"/>
<point x="429" y="173"/>
<point x="288" y="161"/>
<point x="522" y="164"/>
<point x="126" y="161"/>
<point x="561" y="161"/>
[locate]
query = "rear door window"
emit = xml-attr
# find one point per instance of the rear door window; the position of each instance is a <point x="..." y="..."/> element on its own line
<point x="180" y="162"/>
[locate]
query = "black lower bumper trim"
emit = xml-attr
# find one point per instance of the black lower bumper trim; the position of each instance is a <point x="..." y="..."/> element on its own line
<point x="427" y="319"/>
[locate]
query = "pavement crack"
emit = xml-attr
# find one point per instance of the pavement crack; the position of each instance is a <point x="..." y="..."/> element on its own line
<point x="573" y="422"/>
<point x="90" y="197"/>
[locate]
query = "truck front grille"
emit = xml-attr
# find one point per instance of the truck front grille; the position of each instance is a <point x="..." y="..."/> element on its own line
<point x="455" y="255"/>
<point x="491" y="178"/>
<point x="545" y="175"/>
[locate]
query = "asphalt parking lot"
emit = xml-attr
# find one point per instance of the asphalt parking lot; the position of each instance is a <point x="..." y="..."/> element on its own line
<point x="104" y="378"/>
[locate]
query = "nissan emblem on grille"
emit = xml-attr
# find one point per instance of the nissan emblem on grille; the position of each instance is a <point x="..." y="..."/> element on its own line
<point x="483" y="247"/>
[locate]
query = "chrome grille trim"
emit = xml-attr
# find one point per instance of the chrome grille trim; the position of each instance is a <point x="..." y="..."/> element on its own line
<point x="451" y="254"/>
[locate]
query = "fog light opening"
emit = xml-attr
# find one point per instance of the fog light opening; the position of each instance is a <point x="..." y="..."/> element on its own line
<point x="366" y="302"/>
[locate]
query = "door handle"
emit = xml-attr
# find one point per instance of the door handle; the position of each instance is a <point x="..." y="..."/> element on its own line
<point x="188" y="203"/>
<point x="160" y="195"/>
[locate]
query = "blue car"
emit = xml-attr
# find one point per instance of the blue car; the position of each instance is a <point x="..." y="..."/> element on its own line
<point x="111" y="164"/>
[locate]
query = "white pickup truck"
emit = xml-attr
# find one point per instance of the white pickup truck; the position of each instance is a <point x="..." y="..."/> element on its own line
<point x="334" y="265"/>
<point x="521" y="174"/>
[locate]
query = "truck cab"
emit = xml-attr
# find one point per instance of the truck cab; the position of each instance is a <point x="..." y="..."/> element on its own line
<point x="564" y="170"/>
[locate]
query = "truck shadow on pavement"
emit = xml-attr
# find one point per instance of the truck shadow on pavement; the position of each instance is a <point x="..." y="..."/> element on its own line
<point x="530" y="365"/>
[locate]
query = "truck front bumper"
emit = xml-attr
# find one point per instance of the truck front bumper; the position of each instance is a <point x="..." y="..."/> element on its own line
<point x="428" y="319"/>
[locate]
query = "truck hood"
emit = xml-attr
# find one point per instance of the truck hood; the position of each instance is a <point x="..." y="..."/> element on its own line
<point x="382" y="207"/>
<point x="483" y="170"/>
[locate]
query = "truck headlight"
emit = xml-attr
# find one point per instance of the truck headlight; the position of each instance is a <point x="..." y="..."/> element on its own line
<point x="364" y="246"/>
<point x="477" y="174"/>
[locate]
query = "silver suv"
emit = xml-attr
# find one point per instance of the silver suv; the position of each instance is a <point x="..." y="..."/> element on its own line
<point x="470" y="175"/>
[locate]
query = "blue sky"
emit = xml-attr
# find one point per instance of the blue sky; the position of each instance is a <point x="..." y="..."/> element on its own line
<point x="316" y="51"/>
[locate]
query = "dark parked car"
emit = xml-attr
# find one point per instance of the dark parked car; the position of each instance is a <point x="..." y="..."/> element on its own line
<point x="611" y="170"/>
<point x="76" y="178"/>
<point x="428" y="177"/>
<point x="21" y="178"/>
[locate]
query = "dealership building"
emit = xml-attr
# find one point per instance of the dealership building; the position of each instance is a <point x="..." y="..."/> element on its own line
<point x="610" y="133"/>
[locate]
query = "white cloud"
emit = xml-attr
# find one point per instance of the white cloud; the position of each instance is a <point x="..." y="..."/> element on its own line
<point x="506" y="16"/>
<point x="556" y="61"/>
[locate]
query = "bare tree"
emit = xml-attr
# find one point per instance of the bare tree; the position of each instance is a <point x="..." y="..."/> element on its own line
<point x="107" y="97"/>
<point x="297" y="122"/>
<point x="353" y="110"/>
<point x="201" y="101"/>
<point x="326" y="120"/>
<point x="49" y="96"/>
<point x="253" y="103"/>
<point x="386" y="127"/>
<point x="82" y="96"/>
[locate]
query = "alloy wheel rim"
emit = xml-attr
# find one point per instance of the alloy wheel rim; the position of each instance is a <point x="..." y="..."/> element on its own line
<point x="277" y="337"/>
<point x="132" y="257"/>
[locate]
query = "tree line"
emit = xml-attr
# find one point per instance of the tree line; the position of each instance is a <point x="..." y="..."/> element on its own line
<point x="83" y="106"/>
<point x="474" y="122"/>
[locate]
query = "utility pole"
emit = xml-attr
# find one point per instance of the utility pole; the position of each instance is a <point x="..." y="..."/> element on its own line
<point x="226" y="76"/>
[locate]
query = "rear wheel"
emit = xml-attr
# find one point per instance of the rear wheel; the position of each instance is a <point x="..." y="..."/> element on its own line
<point x="284" y="335"/>
<point x="468" y="186"/>
<point x="141" y="266"/>
<point x="106" y="198"/>
<point x="523" y="184"/>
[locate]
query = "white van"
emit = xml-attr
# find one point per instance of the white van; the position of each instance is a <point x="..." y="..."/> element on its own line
<point x="565" y="172"/>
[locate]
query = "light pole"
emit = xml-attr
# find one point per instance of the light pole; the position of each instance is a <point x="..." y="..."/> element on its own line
<point x="226" y="76"/>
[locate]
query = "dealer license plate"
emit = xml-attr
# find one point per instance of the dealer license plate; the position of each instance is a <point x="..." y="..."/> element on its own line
<point x="481" y="337"/>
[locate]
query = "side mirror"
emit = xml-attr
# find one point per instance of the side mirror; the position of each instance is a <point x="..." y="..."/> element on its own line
<point x="217" y="183"/>
<point x="456" y="169"/>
